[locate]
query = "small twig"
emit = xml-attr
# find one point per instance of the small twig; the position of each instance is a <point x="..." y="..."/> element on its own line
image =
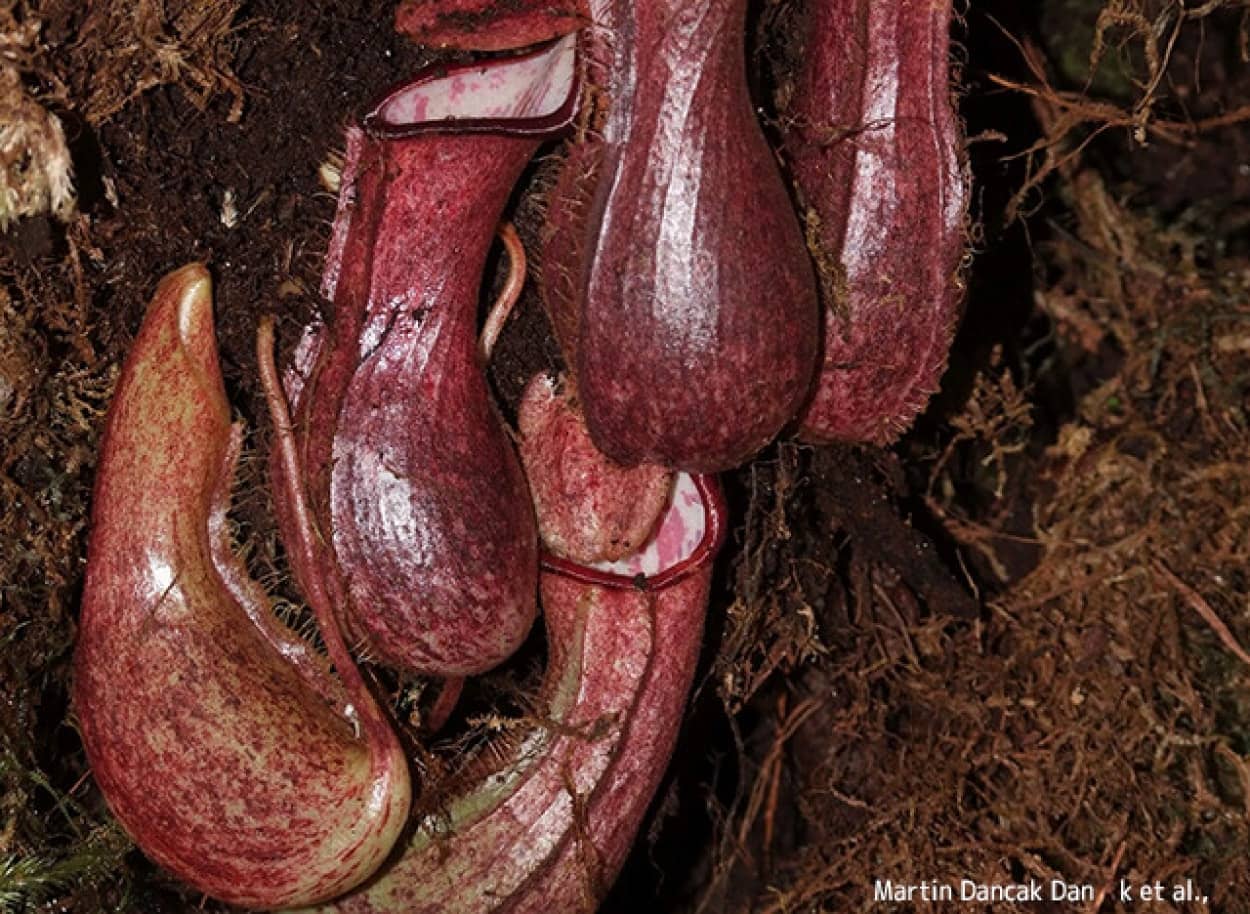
<point x="1199" y="605"/>
<point x="763" y="789"/>
<point x="1106" y="886"/>
<point x="78" y="783"/>
<point x="774" y="789"/>
<point x="1201" y="12"/>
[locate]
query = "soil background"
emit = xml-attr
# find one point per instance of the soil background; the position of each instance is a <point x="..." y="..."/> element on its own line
<point x="1008" y="647"/>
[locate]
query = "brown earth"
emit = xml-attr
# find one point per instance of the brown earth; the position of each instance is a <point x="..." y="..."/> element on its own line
<point x="1007" y="648"/>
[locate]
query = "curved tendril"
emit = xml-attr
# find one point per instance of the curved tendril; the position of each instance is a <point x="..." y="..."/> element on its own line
<point x="365" y="710"/>
<point x="507" y="299"/>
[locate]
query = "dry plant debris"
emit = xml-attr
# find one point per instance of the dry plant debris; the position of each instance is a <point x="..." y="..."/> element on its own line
<point x="132" y="48"/>
<point x="1094" y="725"/>
<point x="36" y="174"/>
<point x="1148" y="30"/>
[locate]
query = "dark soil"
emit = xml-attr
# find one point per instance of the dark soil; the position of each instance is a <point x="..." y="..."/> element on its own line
<point x="1004" y="649"/>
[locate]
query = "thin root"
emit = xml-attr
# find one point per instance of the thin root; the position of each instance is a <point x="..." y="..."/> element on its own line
<point x="1199" y="605"/>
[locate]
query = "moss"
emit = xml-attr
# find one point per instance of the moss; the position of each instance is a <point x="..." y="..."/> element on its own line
<point x="29" y="881"/>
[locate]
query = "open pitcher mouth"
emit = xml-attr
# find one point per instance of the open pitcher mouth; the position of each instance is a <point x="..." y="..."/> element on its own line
<point x="528" y="94"/>
<point x="687" y="536"/>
